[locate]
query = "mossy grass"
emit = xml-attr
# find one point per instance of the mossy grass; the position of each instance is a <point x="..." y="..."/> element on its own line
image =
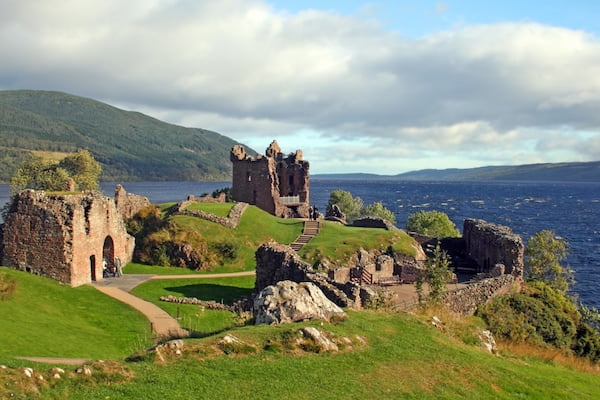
<point x="338" y="243"/>
<point x="219" y="209"/>
<point x="46" y="319"/>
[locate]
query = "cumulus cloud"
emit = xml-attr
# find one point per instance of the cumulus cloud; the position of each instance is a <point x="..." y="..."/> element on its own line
<point x="243" y="68"/>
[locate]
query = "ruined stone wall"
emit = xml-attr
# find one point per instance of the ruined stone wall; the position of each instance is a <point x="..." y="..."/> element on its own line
<point x="232" y="220"/>
<point x="63" y="236"/>
<point x="466" y="300"/>
<point x="263" y="180"/>
<point x="490" y="244"/>
<point x="129" y="204"/>
<point x="277" y="262"/>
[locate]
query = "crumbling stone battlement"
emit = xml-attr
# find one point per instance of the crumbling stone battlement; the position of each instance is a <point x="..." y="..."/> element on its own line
<point x="274" y="182"/>
<point x="129" y="204"/>
<point x="65" y="237"/>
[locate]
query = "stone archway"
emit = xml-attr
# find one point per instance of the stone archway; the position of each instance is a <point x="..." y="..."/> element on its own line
<point x="108" y="253"/>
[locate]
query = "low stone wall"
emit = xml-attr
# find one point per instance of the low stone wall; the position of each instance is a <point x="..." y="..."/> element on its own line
<point x="374" y="222"/>
<point x="466" y="300"/>
<point x="209" y="305"/>
<point x="231" y="221"/>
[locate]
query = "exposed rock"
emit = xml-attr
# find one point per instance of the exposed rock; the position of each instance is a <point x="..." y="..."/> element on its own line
<point x="170" y="348"/>
<point x="186" y="256"/>
<point x="322" y="343"/>
<point x="487" y="341"/>
<point x="28" y="372"/>
<point x="84" y="370"/>
<point x="288" y="301"/>
<point x="333" y="213"/>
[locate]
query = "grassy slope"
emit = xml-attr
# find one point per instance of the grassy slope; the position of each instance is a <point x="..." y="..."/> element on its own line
<point x="46" y="319"/>
<point x="255" y="227"/>
<point x="338" y="243"/>
<point x="404" y="358"/>
<point x="129" y="145"/>
<point x="204" y="322"/>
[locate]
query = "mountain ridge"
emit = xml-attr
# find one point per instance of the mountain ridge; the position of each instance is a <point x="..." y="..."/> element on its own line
<point x="129" y="145"/>
<point x="558" y="172"/>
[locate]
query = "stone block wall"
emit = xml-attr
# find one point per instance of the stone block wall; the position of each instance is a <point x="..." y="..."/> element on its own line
<point x="263" y="180"/>
<point x="466" y="300"/>
<point x="129" y="204"/>
<point x="490" y="244"/>
<point x="65" y="237"/>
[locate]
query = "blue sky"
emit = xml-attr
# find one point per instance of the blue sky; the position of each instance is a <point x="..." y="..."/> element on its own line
<point x="382" y="86"/>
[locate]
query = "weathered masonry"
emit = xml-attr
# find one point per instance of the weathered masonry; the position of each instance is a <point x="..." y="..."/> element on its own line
<point x="65" y="237"/>
<point x="274" y="182"/>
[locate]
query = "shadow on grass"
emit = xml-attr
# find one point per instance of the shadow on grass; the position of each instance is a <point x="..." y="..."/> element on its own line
<point x="208" y="291"/>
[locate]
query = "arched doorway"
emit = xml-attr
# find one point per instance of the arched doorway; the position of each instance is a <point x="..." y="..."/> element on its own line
<point x="108" y="254"/>
<point x="93" y="267"/>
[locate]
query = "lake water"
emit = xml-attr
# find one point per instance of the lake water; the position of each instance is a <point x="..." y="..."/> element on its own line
<point x="572" y="210"/>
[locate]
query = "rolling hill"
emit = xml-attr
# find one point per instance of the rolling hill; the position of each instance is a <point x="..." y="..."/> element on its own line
<point x="130" y="146"/>
<point x="568" y="172"/>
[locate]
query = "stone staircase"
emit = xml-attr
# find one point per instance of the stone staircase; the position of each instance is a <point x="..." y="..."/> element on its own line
<point x="311" y="229"/>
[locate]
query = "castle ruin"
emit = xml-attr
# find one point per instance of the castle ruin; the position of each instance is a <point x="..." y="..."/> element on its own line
<point x="273" y="182"/>
<point x="67" y="237"/>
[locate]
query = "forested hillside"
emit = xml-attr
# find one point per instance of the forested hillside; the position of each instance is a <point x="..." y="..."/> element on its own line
<point x="130" y="146"/>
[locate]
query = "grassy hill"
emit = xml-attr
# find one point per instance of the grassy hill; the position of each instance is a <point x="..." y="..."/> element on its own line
<point x="392" y="356"/>
<point x="130" y="146"/>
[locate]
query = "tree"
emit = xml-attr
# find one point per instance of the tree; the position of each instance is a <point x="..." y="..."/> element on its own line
<point x="431" y="223"/>
<point x="436" y="275"/>
<point x="351" y="206"/>
<point x="38" y="174"/>
<point x="544" y="254"/>
<point x="378" y="210"/>
<point x="83" y="168"/>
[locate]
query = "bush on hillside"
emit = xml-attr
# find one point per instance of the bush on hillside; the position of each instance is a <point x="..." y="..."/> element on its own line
<point x="353" y="207"/>
<point x="8" y="285"/>
<point x="541" y="315"/>
<point x="432" y="223"/>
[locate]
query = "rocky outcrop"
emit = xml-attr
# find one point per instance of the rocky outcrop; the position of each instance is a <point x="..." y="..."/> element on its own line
<point x="334" y="213"/>
<point x="289" y="301"/>
<point x="276" y="262"/>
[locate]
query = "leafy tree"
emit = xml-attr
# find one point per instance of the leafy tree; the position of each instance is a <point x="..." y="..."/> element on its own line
<point x="351" y="206"/>
<point x="544" y="254"/>
<point x="431" y="223"/>
<point x="40" y="175"/>
<point x="83" y="168"/>
<point x="436" y="275"/>
<point x="378" y="210"/>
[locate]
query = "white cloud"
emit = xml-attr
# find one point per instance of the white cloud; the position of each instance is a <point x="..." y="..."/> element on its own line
<point x="242" y="68"/>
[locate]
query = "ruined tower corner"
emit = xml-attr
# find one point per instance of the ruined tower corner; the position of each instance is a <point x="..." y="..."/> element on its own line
<point x="238" y="153"/>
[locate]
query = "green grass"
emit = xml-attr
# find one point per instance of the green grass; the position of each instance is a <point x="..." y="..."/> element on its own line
<point x="204" y="322"/>
<point x="404" y="359"/>
<point x="255" y="227"/>
<point x="338" y="243"/>
<point x="219" y="209"/>
<point x="46" y="319"/>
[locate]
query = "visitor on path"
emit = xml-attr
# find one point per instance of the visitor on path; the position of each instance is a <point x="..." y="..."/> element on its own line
<point x="118" y="267"/>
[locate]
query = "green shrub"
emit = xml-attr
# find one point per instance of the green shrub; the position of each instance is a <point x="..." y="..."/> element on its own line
<point x="431" y="223"/>
<point x="8" y="285"/>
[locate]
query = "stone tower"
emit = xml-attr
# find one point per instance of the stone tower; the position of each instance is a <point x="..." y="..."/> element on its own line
<point x="274" y="182"/>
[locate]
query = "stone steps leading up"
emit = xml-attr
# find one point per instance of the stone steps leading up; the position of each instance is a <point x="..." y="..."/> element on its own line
<point x="311" y="229"/>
